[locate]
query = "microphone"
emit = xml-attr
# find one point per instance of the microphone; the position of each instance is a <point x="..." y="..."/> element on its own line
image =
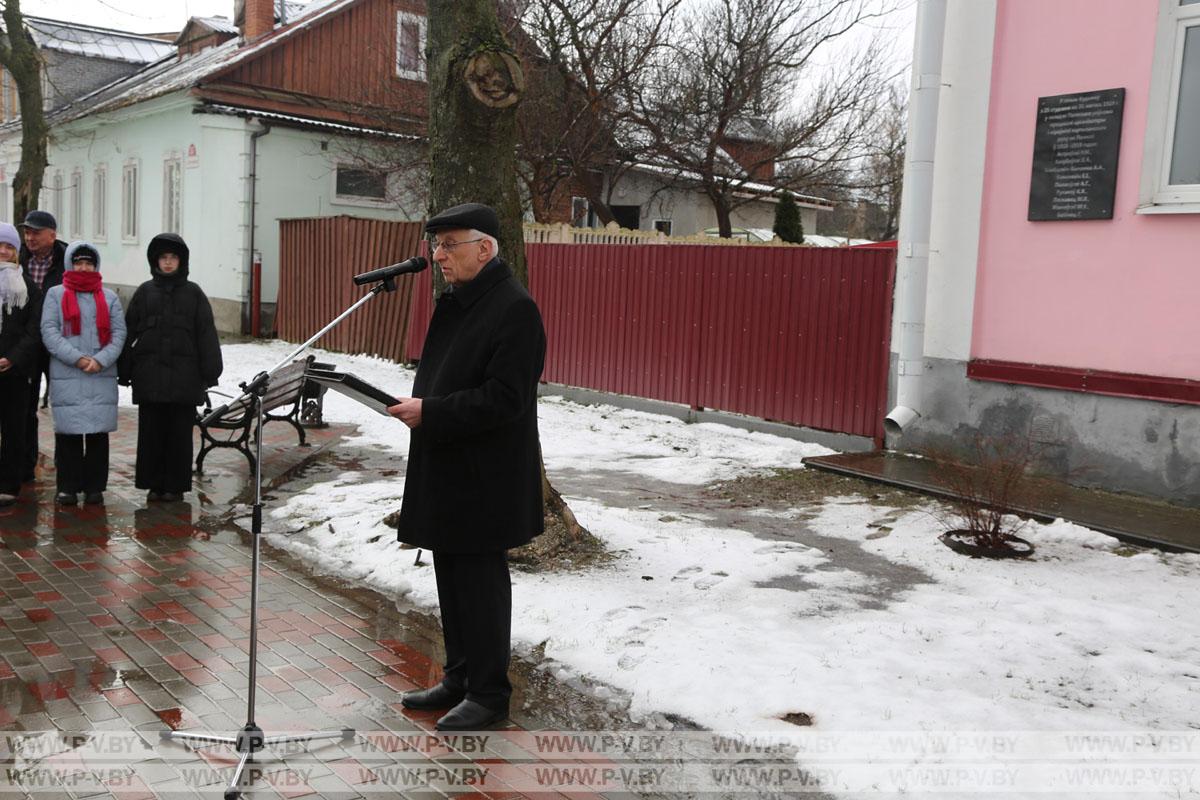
<point x="414" y="264"/>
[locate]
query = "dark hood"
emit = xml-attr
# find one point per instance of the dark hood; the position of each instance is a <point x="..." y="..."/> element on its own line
<point x="168" y="243"/>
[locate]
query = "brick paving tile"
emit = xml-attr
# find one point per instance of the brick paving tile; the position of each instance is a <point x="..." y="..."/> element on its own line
<point x="133" y="618"/>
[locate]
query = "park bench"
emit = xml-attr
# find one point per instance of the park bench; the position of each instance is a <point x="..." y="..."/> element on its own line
<point x="289" y="389"/>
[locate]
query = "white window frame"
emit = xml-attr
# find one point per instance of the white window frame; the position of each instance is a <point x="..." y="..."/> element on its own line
<point x="361" y="200"/>
<point x="56" y="198"/>
<point x="172" y="196"/>
<point x="577" y="201"/>
<point x="419" y="73"/>
<point x="76" y="196"/>
<point x="4" y="201"/>
<point x="130" y="200"/>
<point x="100" y="203"/>
<point x="1157" y="195"/>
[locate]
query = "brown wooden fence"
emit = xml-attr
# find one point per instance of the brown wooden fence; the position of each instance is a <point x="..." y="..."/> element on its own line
<point x="318" y="258"/>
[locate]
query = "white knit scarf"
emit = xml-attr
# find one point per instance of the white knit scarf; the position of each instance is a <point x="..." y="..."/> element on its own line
<point x="13" y="292"/>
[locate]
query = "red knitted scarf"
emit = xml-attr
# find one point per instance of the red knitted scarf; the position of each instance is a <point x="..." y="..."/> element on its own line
<point x="92" y="283"/>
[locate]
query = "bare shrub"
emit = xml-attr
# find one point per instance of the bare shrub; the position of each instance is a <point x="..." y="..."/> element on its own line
<point x="987" y="487"/>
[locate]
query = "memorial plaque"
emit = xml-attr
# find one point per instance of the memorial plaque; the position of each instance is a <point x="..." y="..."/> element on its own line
<point x="1075" y="150"/>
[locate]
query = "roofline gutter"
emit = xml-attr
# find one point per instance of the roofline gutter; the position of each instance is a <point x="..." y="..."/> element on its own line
<point x="916" y="212"/>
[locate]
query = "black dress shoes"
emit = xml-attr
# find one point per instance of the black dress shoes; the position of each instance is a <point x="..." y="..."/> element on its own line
<point x="94" y="498"/>
<point x="433" y="698"/>
<point x="470" y="716"/>
<point x="65" y="498"/>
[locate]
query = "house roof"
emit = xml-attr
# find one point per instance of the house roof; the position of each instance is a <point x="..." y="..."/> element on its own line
<point x="171" y="74"/>
<point x="94" y="42"/>
<point x="764" y="191"/>
<point x="293" y="120"/>
<point x="216" y="24"/>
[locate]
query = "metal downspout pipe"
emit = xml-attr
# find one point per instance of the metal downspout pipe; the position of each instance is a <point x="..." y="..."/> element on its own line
<point x="258" y="130"/>
<point x="912" y="256"/>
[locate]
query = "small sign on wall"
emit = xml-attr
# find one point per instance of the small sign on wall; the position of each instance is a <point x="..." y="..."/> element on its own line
<point x="193" y="158"/>
<point x="1075" y="149"/>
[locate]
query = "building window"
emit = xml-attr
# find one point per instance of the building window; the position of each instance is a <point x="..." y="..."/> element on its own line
<point x="1171" y="162"/>
<point x="56" y="199"/>
<point x="663" y="226"/>
<point x="4" y="214"/>
<point x="77" y="204"/>
<point x="581" y="212"/>
<point x="355" y="183"/>
<point x="129" y="202"/>
<point x="8" y="96"/>
<point x="410" y="46"/>
<point x="100" y="203"/>
<point x="172" y="191"/>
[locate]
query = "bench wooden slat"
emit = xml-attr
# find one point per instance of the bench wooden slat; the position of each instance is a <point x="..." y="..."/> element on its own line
<point x="286" y="388"/>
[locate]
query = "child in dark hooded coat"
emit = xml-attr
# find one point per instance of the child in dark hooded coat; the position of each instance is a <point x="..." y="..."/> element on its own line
<point x="171" y="357"/>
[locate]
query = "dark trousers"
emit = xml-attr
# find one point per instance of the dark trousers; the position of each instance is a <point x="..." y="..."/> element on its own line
<point x="475" y="597"/>
<point x="30" y="456"/>
<point x="164" y="447"/>
<point x="81" y="461"/>
<point x="14" y="408"/>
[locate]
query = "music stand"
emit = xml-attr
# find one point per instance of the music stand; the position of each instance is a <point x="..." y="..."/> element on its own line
<point x="250" y="739"/>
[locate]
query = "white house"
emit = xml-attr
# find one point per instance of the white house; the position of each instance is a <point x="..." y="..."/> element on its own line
<point x="234" y="131"/>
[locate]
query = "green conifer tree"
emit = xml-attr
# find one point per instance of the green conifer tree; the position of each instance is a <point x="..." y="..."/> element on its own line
<point x="788" y="226"/>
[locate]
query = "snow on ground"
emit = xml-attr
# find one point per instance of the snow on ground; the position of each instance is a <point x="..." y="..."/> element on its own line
<point x="701" y="621"/>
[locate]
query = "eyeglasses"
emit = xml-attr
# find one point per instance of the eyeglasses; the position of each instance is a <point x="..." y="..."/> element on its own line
<point x="448" y="246"/>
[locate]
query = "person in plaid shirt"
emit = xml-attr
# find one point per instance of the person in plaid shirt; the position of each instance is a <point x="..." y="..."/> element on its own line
<point x="42" y="261"/>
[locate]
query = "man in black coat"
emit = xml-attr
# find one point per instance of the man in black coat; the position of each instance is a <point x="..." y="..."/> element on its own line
<point x="42" y="261"/>
<point x="473" y="486"/>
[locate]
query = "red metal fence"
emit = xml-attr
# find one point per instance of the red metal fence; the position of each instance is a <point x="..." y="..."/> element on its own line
<point x="795" y="335"/>
<point x="318" y="257"/>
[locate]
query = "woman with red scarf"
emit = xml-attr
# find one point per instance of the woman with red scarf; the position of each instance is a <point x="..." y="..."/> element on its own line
<point x="83" y="327"/>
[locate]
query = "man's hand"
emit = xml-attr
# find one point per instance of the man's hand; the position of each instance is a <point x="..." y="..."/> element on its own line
<point x="88" y="364"/>
<point x="408" y="411"/>
<point x="5" y="365"/>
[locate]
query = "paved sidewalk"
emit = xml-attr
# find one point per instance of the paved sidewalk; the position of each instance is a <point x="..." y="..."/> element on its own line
<point x="123" y="621"/>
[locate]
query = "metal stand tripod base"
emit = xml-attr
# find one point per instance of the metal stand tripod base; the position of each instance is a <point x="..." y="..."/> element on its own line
<point x="249" y="741"/>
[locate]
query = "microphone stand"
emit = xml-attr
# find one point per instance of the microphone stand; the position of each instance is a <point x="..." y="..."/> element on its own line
<point x="250" y="739"/>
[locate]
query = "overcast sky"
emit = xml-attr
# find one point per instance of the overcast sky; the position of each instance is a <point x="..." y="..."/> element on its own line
<point x="143" y="16"/>
<point x="157" y="16"/>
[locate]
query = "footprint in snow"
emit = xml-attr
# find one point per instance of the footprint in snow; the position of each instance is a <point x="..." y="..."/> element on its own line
<point x="686" y="572"/>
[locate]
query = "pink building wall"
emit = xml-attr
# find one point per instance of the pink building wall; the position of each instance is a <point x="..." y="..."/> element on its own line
<point x="1120" y="295"/>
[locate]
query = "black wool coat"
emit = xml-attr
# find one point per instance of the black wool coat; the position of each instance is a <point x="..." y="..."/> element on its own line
<point x="172" y="352"/>
<point x="473" y="482"/>
<point x="21" y="336"/>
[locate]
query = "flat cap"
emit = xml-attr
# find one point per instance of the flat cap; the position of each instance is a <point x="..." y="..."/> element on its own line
<point x="40" y="219"/>
<point x="468" y="216"/>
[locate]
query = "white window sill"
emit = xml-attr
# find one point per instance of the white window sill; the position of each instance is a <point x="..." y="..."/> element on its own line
<point x="1170" y="208"/>
<point x="360" y="202"/>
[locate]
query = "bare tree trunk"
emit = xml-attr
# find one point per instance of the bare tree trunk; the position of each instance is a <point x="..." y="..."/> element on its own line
<point x="592" y="185"/>
<point x="20" y="56"/>
<point x="724" y="214"/>
<point x="475" y="83"/>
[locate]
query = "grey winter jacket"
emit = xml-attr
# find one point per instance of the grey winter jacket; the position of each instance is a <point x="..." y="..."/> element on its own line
<point x="82" y="402"/>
